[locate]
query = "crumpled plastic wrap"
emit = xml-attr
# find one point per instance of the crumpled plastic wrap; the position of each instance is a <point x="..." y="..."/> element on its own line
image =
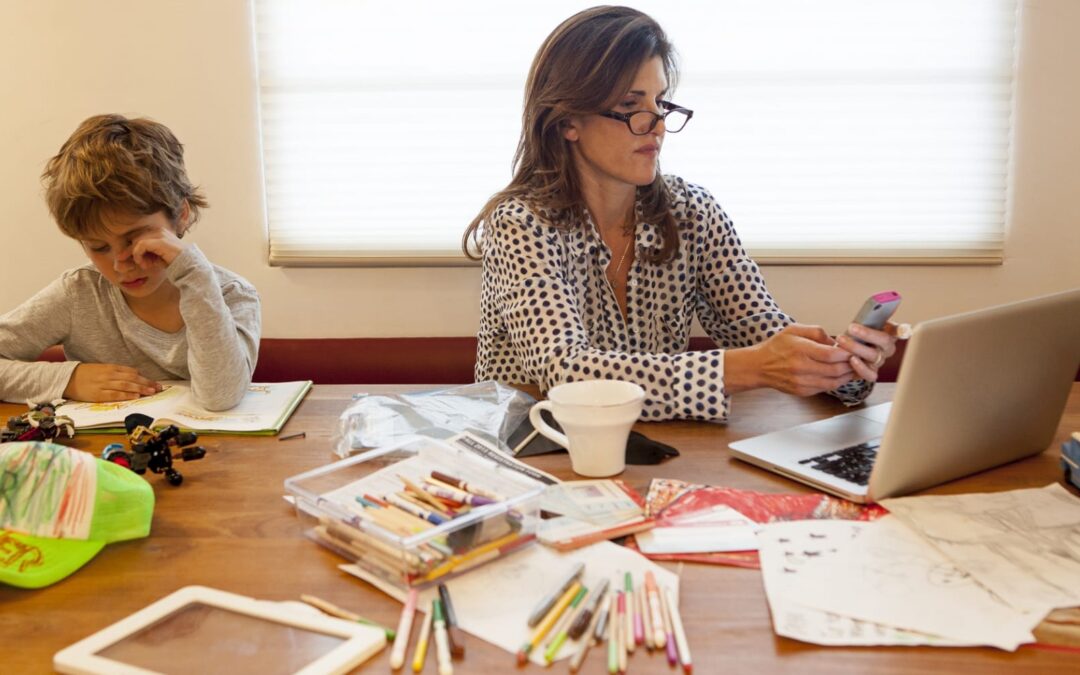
<point x="488" y="409"/>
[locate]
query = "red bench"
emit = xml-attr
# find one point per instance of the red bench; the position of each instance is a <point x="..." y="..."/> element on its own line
<point x="432" y="360"/>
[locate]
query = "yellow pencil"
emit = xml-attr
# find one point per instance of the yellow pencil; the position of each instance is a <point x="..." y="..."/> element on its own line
<point x="461" y="560"/>
<point x="548" y="621"/>
<point x="422" y="641"/>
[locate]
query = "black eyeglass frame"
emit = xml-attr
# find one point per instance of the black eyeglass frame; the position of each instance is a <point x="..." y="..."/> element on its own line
<point x="668" y="106"/>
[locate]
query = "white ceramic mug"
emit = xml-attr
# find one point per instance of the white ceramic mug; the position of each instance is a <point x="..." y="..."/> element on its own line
<point x="597" y="416"/>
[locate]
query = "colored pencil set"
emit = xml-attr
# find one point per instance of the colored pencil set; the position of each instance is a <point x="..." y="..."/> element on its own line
<point x="377" y="534"/>
<point x="440" y="622"/>
<point x="626" y="617"/>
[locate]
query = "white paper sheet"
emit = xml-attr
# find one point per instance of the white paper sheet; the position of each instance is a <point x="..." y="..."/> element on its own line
<point x="721" y="528"/>
<point x="889" y="575"/>
<point x="1022" y="544"/>
<point x="493" y="602"/>
<point x="784" y="549"/>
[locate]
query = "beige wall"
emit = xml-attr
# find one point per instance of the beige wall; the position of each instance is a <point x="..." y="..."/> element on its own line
<point x="190" y="64"/>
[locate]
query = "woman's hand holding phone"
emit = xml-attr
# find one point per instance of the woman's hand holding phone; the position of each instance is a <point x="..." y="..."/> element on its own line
<point x="871" y="338"/>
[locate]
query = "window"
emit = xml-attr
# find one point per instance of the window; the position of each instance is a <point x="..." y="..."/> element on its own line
<point x="831" y="131"/>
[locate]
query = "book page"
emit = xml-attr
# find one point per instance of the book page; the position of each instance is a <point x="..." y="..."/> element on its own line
<point x="265" y="407"/>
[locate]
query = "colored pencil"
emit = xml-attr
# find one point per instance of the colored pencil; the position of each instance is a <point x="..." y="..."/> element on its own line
<point x="420" y="494"/>
<point x="468" y="487"/>
<point x="625" y="634"/>
<point x="334" y="610"/>
<point x="679" y="631"/>
<point x="547" y="623"/>
<point x="669" y="638"/>
<point x="401" y="642"/>
<point x="541" y="609"/>
<point x="453" y="630"/>
<point x="495" y="547"/>
<point x="588" y="611"/>
<point x="442" y="641"/>
<point x="613" y="634"/>
<point x="646" y="619"/>
<point x="586" y="642"/>
<point x="455" y="494"/>
<point x="559" y="632"/>
<point x="656" y="612"/>
<point x="411" y="508"/>
<point x="422" y="641"/>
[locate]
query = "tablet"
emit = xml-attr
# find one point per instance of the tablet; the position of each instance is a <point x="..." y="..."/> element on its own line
<point x="202" y="630"/>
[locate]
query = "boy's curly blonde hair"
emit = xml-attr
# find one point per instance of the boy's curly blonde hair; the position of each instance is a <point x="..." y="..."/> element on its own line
<point x="115" y="164"/>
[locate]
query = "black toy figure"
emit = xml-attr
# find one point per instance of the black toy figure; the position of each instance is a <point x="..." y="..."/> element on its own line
<point x="153" y="448"/>
<point x="40" y="423"/>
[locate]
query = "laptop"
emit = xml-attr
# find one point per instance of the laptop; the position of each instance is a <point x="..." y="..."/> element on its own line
<point x="976" y="390"/>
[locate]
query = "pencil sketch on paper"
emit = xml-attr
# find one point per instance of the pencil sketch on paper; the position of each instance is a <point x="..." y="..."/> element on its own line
<point x="1024" y="545"/>
<point x="786" y="549"/>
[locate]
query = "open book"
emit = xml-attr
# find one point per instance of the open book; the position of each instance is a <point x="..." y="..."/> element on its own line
<point x="263" y="410"/>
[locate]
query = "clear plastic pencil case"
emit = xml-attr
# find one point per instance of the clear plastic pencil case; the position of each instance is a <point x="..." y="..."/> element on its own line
<point x="367" y="509"/>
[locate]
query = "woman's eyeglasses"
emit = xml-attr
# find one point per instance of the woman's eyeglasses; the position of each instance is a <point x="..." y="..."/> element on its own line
<point x="642" y="122"/>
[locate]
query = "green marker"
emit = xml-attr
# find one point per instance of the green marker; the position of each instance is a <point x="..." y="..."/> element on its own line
<point x="567" y="620"/>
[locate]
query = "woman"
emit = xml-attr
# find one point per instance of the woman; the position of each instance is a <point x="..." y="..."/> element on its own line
<point x="594" y="264"/>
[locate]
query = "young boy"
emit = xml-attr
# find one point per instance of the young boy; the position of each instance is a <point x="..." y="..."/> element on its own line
<point x="149" y="306"/>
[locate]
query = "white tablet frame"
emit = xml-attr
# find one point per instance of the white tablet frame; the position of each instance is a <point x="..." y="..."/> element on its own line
<point x="361" y="641"/>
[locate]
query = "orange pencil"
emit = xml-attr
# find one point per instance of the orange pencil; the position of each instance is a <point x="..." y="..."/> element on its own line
<point x="546" y="624"/>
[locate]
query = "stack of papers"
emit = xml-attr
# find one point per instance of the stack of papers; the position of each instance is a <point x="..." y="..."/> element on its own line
<point x="980" y="569"/>
<point x="591" y="510"/>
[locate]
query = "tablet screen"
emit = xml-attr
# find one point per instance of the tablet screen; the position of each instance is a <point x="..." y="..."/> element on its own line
<point x="200" y="638"/>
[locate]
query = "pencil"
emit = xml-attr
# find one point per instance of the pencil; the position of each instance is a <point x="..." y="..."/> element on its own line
<point x="547" y="623"/>
<point x="613" y="635"/>
<point x="461" y="561"/>
<point x="418" y="492"/>
<point x="588" y="611"/>
<point x="528" y="439"/>
<point x="422" y="641"/>
<point x="586" y="642"/>
<point x="559" y="632"/>
<point x="669" y="638"/>
<point x="541" y="609"/>
<point x="442" y="641"/>
<point x="625" y="636"/>
<point x="646" y="620"/>
<point x="680" y="632"/>
<point x="414" y="510"/>
<point x="656" y="612"/>
<point x="468" y="487"/>
<point x="401" y="642"/>
<point x="453" y="630"/>
<point x="334" y="610"/>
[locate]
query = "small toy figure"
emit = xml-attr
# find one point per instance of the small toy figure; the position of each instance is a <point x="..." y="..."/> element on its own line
<point x="153" y="448"/>
<point x="40" y="423"/>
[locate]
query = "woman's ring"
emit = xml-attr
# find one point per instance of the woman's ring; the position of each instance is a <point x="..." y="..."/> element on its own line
<point x="880" y="359"/>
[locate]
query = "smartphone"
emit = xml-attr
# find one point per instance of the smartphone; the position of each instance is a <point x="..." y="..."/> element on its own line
<point x="876" y="310"/>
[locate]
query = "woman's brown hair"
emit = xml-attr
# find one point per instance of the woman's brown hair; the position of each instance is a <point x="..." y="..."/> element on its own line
<point x="583" y="67"/>
<point x="112" y="163"/>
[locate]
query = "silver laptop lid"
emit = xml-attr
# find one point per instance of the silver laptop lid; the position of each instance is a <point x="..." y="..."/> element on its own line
<point x="977" y="390"/>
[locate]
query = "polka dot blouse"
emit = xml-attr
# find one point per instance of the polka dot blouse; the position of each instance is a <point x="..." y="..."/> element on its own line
<point x="549" y="315"/>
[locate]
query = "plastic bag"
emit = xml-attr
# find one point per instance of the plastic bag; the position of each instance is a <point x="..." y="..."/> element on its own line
<point x="489" y="409"/>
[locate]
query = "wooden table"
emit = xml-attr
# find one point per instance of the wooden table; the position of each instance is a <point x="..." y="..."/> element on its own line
<point x="227" y="527"/>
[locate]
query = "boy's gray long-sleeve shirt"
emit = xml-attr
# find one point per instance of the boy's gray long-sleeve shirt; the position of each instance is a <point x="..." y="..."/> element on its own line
<point x="82" y="311"/>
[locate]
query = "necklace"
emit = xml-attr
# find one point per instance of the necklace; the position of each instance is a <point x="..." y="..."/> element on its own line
<point x="618" y="268"/>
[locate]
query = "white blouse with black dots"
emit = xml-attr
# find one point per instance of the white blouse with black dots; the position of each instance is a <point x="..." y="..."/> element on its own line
<point x="549" y="315"/>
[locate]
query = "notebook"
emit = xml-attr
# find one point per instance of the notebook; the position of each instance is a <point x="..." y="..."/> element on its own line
<point x="976" y="390"/>
<point x="263" y="411"/>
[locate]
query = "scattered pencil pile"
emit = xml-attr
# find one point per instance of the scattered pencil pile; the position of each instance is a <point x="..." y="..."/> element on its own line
<point x="423" y="507"/>
<point x="648" y="616"/>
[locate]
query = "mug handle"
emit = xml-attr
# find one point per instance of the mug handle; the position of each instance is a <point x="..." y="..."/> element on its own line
<point x="542" y="427"/>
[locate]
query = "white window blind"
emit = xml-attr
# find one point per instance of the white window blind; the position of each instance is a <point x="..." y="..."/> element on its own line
<point x="831" y="131"/>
